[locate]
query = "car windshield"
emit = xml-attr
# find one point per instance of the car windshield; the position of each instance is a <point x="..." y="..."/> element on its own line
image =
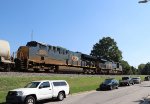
<point x="32" y="85"/>
<point x="107" y="81"/>
<point x="135" y="78"/>
<point x="125" y="78"/>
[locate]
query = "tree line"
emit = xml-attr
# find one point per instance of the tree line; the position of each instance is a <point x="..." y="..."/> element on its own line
<point x="107" y="49"/>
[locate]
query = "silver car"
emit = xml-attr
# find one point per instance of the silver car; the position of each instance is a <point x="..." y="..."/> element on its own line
<point x="136" y="80"/>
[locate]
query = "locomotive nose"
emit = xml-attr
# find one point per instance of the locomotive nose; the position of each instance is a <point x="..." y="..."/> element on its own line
<point x="23" y="52"/>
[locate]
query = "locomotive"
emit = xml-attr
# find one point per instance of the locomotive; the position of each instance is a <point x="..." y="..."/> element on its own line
<point x="40" y="56"/>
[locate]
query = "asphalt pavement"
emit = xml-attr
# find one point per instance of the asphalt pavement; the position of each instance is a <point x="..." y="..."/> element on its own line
<point x="134" y="94"/>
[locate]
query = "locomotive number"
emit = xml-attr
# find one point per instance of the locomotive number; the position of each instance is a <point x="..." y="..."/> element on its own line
<point x="75" y="58"/>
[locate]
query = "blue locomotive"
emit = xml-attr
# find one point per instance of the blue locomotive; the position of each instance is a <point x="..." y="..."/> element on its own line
<point x="39" y="56"/>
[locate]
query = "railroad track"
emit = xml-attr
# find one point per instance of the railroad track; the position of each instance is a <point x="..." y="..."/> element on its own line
<point x="44" y="74"/>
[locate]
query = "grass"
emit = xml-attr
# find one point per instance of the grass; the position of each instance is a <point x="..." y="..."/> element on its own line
<point x="77" y="83"/>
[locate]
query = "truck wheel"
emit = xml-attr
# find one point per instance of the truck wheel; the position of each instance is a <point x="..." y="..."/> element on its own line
<point x="60" y="96"/>
<point x="30" y="100"/>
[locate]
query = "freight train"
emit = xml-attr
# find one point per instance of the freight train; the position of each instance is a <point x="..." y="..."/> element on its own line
<point x="38" y="56"/>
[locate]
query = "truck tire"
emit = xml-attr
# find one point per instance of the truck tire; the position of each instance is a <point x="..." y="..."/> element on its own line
<point x="60" y="96"/>
<point x="30" y="100"/>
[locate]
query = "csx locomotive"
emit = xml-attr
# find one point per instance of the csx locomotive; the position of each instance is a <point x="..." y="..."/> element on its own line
<point x="39" y="56"/>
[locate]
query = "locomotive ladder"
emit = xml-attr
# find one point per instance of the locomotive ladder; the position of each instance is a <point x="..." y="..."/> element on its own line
<point x="22" y="65"/>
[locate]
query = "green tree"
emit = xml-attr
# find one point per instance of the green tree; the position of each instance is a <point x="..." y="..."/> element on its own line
<point x="146" y="69"/>
<point x="134" y="70"/>
<point x="140" y="68"/>
<point x="107" y="48"/>
<point x="126" y="67"/>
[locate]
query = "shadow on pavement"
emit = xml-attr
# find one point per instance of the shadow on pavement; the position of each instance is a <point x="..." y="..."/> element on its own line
<point x="98" y="89"/>
<point x="41" y="102"/>
<point x="140" y="101"/>
<point x="123" y="85"/>
<point x="144" y="86"/>
<point x="47" y="101"/>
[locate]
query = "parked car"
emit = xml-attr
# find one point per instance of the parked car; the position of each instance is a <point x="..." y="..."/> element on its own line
<point x="136" y="80"/>
<point x="147" y="78"/>
<point x="126" y="81"/>
<point x="39" y="90"/>
<point x="109" y="84"/>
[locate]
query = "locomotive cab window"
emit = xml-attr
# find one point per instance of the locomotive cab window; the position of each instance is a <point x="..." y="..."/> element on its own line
<point x="31" y="44"/>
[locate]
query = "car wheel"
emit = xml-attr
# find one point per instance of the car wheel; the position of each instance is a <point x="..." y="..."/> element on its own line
<point x="116" y="87"/>
<point x="30" y="100"/>
<point x="111" y="87"/>
<point x="60" y="96"/>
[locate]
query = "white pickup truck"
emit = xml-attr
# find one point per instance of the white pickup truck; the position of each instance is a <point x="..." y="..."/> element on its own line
<point x="39" y="90"/>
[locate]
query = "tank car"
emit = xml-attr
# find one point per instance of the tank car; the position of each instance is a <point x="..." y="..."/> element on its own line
<point x="6" y="62"/>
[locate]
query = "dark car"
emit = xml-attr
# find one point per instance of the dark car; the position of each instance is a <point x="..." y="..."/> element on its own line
<point x="147" y="78"/>
<point x="126" y="81"/>
<point x="109" y="84"/>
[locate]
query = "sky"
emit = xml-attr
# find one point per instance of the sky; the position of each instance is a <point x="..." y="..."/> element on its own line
<point x="79" y="24"/>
